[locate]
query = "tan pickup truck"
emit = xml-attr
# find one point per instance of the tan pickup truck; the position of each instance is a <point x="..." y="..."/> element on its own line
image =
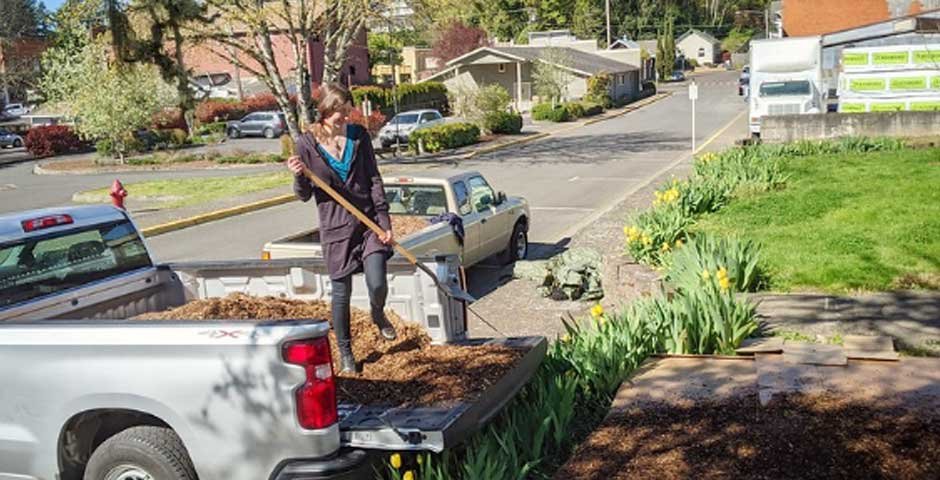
<point x="493" y="223"/>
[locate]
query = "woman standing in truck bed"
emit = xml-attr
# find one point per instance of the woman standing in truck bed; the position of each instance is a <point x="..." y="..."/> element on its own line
<point x="341" y="154"/>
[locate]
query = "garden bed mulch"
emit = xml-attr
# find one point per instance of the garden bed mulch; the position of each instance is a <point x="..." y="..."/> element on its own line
<point x="701" y="418"/>
<point x="408" y="371"/>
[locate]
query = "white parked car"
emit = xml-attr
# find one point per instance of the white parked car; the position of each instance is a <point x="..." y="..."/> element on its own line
<point x="14" y="110"/>
<point x="401" y="125"/>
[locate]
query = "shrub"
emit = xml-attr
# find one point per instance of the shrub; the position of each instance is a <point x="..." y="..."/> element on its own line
<point x="591" y="108"/>
<point x="575" y="109"/>
<point x="544" y="111"/>
<point x="373" y="123"/>
<point x="260" y="102"/>
<point x="693" y="63"/>
<point x="218" y="111"/>
<point x="287" y="146"/>
<point x="503" y="122"/>
<point x="598" y="90"/>
<point x="443" y="137"/>
<point x="210" y="128"/>
<point x="168" y="119"/>
<point x="51" y="140"/>
<point x="178" y="137"/>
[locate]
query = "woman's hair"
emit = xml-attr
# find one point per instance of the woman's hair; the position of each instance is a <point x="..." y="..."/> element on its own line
<point x="330" y="98"/>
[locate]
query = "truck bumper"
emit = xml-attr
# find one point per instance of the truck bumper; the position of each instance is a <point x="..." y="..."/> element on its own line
<point x="348" y="464"/>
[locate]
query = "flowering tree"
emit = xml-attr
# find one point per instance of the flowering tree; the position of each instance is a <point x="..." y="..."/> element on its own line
<point x="107" y="101"/>
<point x="456" y="39"/>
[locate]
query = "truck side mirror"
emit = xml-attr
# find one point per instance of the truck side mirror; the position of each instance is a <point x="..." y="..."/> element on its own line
<point x="500" y="198"/>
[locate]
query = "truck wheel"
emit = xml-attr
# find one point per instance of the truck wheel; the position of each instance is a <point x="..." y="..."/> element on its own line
<point x="141" y="453"/>
<point x="518" y="244"/>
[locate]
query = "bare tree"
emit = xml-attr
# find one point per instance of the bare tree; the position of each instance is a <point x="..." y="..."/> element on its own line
<point x="244" y="31"/>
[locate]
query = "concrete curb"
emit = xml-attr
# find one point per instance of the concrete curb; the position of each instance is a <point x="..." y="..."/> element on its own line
<point x="39" y="169"/>
<point x="216" y="215"/>
<point x="630" y="108"/>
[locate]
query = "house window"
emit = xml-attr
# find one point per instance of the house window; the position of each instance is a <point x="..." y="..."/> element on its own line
<point x="502" y="68"/>
<point x="352" y="71"/>
<point x="620" y="79"/>
<point x="701" y="52"/>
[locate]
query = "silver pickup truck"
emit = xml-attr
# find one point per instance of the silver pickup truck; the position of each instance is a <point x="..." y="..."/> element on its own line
<point x="89" y="394"/>
<point x="492" y="222"/>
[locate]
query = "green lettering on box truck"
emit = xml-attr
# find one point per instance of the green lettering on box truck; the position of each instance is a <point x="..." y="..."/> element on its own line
<point x="867" y="84"/>
<point x="887" y="107"/>
<point x="890" y="58"/>
<point x="927" y="56"/>
<point x="854" y="59"/>
<point x="925" y="106"/>
<point x="852" y="107"/>
<point x="909" y="83"/>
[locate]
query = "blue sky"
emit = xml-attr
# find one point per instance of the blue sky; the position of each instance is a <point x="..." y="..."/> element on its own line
<point x="53" y="5"/>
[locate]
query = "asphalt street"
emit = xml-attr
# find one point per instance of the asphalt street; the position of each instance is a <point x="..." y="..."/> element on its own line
<point x="567" y="179"/>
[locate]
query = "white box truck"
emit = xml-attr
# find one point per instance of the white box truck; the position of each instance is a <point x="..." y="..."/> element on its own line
<point x="786" y="78"/>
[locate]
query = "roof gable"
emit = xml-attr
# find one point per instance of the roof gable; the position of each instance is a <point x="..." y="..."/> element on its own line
<point x="703" y="35"/>
<point x="576" y="61"/>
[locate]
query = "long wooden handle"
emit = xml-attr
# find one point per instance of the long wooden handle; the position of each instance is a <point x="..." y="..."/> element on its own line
<point x="358" y="214"/>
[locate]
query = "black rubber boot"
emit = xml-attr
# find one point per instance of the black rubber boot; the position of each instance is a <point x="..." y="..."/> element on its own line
<point x="385" y="327"/>
<point x="347" y="361"/>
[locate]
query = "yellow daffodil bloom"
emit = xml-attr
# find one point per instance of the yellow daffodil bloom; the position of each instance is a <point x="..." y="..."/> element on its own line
<point x="565" y="338"/>
<point x="409" y="475"/>
<point x="395" y="460"/>
<point x="678" y="243"/>
<point x="722" y="272"/>
<point x="724" y="283"/>
<point x="647" y="241"/>
<point x="420" y="459"/>
<point x="706" y="275"/>
<point x="597" y="310"/>
<point x="665" y="247"/>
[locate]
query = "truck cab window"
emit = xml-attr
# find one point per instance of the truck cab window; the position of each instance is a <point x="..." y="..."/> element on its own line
<point x="41" y="266"/>
<point x="481" y="195"/>
<point x="462" y="196"/>
<point x="415" y="200"/>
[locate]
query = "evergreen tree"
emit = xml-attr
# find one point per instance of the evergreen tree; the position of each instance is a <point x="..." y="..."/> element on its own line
<point x="589" y="20"/>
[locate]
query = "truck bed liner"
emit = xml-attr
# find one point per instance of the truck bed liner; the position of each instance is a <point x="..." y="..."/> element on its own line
<point x="437" y="428"/>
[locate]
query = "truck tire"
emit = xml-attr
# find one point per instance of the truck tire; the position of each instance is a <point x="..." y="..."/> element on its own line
<point x="140" y="453"/>
<point x="518" y="244"/>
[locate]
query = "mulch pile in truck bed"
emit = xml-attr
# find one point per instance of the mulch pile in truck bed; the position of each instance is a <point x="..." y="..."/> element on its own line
<point x="408" y="371"/>
<point x="404" y="225"/>
<point x="794" y="437"/>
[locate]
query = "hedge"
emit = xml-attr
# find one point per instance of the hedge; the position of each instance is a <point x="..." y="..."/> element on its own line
<point x="544" y="111"/>
<point x="52" y="140"/>
<point x="409" y="95"/>
<point x="443" y="137"/>
<point x="221" y="110"/>
<point x="575" y="109"/>
<point x="503" y="122"/>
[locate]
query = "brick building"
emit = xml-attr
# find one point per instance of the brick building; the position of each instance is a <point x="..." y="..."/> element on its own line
<point x="210" y="59"/>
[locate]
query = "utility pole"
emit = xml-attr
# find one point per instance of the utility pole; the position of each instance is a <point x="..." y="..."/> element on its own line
<point x="607" y="9"/>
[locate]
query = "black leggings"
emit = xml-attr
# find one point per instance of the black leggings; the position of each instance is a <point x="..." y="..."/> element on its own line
<point x="374" y="269"/>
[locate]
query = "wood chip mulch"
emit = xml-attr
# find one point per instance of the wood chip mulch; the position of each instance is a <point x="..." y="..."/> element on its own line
<point x="404" y="225"/>
<point x="408" y="371"/>
<point x="795" y="437"/>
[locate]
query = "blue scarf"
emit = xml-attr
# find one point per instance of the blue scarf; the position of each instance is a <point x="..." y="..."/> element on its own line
<point x="341" y="167"/>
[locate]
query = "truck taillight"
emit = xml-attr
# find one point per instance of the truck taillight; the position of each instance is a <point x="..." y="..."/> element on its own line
<point x="265" y="255"/>
<point x="46" y="222"/>
<point x="316" y="398"/>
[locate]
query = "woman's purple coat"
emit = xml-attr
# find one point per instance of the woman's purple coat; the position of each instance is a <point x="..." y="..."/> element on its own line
<point x="346" y="240"/>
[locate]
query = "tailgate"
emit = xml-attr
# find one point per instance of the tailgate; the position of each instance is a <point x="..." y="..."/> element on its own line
<point x="437" y="428"/>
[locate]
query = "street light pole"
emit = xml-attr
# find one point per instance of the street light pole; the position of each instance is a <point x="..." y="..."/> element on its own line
<point x="607" y="8"/>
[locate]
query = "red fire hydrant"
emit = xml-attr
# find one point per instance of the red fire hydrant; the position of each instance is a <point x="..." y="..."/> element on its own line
<point x="117" y="194"/>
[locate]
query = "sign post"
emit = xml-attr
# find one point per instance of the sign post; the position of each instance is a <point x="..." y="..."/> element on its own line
<point x="693" y="95"/>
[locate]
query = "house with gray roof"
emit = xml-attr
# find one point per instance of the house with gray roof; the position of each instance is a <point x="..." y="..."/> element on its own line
<point x="699" y="46"/>
<point x="512" y="68"/>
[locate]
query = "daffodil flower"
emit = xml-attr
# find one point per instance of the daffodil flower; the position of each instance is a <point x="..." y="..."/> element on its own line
<point x="597" y="311"/>
<point x="395" y="460"/>
<point x="409" y="475"/>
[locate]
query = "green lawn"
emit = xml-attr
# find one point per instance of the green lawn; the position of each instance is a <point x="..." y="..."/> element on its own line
<point x="854" y="222"/>
<point x="191" y="191"/>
